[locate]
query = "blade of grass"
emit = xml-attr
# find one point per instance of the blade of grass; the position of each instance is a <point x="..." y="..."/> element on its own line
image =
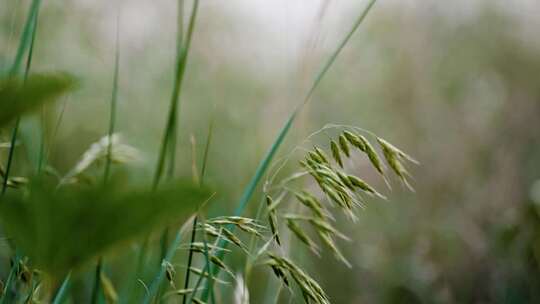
<point x="170" y="133"/>
<point x="181" y="60"/>
<point x="179" y="41"/>
<point x="62" y="291"/>
<point x="27" y="41"/>
<point x="113" y="104"/>
<point x="261" y="169"/>
<point x="26" y="37"/>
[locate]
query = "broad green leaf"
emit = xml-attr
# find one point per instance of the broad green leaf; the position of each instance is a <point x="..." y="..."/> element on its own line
<point x="60" y="229"/>
<point x="18" y="97"/>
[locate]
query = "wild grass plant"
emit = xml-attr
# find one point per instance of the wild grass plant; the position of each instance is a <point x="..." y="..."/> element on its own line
<point x="60" y="224"/>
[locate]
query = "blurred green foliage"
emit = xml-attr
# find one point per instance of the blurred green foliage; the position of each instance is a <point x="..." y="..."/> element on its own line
<point x="59" y="229"/>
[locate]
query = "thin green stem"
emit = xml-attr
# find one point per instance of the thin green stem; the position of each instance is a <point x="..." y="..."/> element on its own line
<point x="97" y="294"/>
<point x="190" y="259"/>
<point x="182" y="56"/>
<point x="113" y="106"/>
<point x="25" y="43"/>
<point x="194" y="229"/>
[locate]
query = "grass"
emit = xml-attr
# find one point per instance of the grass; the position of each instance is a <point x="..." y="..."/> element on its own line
<point x="67" y="210"/>
<point x="265" y="163"/>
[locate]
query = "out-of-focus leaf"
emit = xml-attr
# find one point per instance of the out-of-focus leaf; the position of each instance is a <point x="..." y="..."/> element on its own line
<point x="18" y="97"/>
<point x="60" y="229"/>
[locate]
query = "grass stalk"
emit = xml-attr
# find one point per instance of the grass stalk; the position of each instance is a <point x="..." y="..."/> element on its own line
<point x="194" y="228"/>
<point x="181" y="61"/>
<point x="26" y="42"/>
<point x="263" y="165"/>
<point x="97" y="293"/>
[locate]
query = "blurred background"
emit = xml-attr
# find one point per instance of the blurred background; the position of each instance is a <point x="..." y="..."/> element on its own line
<point x="454" y="83"/>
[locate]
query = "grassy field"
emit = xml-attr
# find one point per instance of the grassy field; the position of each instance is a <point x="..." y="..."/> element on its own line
<point x="185" y="151"/>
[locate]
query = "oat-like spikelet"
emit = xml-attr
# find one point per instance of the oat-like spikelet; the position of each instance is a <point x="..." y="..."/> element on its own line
<point x="335" y="153"/>
<point x="344" y="145"/>
<point x="345" y="180"/>
<point x="210" y="230"/>
<point x="272" y="220"/>
<point x="233" y="238"/>
<point x="393" y="157"/>
<point x="315" y="157"/>
<point x="278" y="271"/>
<point x="355" y="140"/>
<point x="302" y="236"/>
<point x="327" y="239"/>
<point x="218" y="262"/>
<point x="322" y="155"/>
<point x="311" y="290"/>
<point x="374" y="157"/>
<point x="318" y="224"/>
<point x="386" y="145"/>
<point x="312" y="203"/>
<point x="334" y="196"/>
<point x="362" y="185"/>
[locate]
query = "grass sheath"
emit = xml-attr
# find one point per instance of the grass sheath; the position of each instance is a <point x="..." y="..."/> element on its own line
<point x="263" y="165"/>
